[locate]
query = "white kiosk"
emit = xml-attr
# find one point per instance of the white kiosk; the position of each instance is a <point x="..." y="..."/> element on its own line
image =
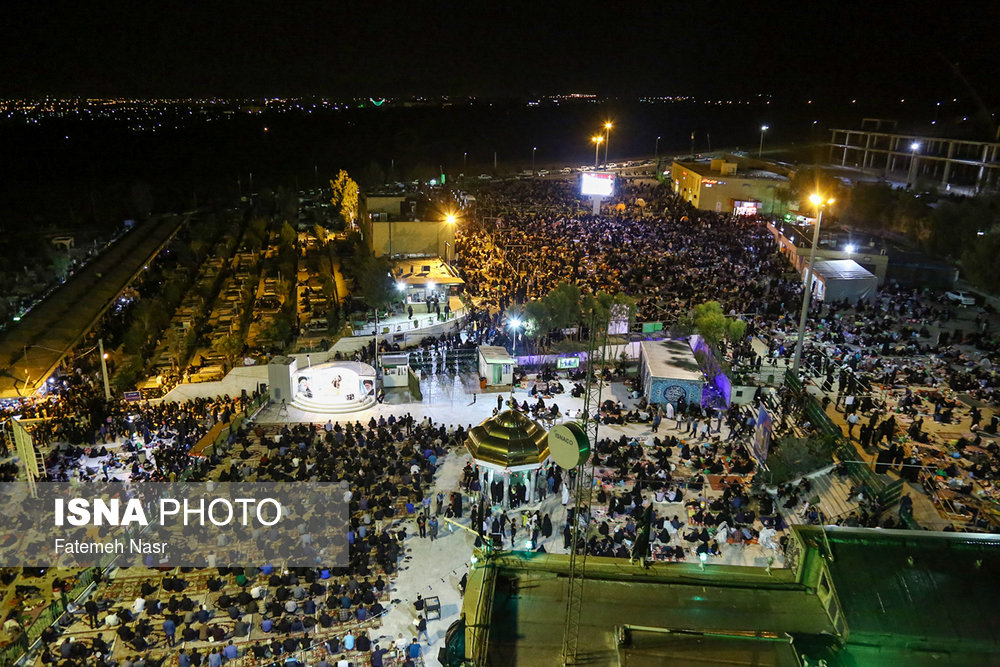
<point x="496" y="365"/>
<point x="395" y="370"/>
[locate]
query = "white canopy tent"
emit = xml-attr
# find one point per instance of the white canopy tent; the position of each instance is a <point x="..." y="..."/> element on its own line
<point x="839" y="279"/>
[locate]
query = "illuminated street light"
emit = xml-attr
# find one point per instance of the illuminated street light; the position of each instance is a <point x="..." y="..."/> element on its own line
<point x="911" y="176"/>
<point x="597" y="147"/>
<point x="515" y="324"/>
<point x="401" y="287"/>
<point x="449" y="219"/>
<point x="533" y="149"/>
<point x="763" y="129"/>
<point x="607" y="138"/>
<point x="819" y="203"/>
<point x="849" y="248"/>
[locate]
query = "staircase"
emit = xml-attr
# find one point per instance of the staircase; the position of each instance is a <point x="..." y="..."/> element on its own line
<point x="830" y="494"/>
<point x="39" y="462"/>
<point x="320" y="407"/>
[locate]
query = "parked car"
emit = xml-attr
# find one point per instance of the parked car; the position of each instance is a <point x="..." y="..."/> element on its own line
<point x="962" y="298"/>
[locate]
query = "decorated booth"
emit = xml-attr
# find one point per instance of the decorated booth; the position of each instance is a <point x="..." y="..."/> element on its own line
<point x="508" y="450"/>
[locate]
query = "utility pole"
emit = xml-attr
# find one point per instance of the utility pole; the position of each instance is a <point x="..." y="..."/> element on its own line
<point x="104" y="368"/>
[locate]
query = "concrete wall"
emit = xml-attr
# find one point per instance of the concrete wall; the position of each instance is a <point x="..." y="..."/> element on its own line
<point x="410" y="237"/>
<point x="391" y="204"/>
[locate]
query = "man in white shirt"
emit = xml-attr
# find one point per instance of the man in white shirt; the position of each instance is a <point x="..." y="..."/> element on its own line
<point x="138" y="606"/>
<point x="852" y="421"/>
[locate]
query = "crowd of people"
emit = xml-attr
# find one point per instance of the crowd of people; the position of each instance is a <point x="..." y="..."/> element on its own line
<point x="683" y="489"/>
<point x="676" y="257"/>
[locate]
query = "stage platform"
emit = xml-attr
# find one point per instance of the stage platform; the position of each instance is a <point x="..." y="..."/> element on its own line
<point x="337" y="387"/>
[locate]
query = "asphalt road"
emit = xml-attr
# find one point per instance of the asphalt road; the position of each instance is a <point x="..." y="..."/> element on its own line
<point x="35" y="346"/>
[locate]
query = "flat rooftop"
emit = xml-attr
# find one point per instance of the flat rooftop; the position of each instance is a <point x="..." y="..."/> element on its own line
<point x="419" y="271"/>
<point x="671" y="358"/>
<point x="919" y="587"/>
<point x="687" y="618"/>
<point x="704" y="168"/>
<point x="494" y="354"/>
<point x="896" y="597"/>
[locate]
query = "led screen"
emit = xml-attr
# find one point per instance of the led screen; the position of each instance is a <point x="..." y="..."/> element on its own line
<point x="597" y="184"/>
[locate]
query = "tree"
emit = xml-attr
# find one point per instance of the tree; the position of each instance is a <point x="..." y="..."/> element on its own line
<point x="230" y="346"/>
<point x="127" y="374"/>
<point x="563" y="304"/>
<point x="280" y="329"/>
<point x="177" y="346"/>
<point x="537" y="319"/>
<point x="980" y="261"/>
<point x="956" y="226"/>
<point x="333" y="318"/>
<point x="349" y="202"/>
<point x="374" y="281"/>
<point x="288" y="235"/>
<point x="319" y="231"/>
<point x="736" y="330"/>
<point x="345" y="196"/>
<point x="61" y="263"/>
<point x="710" y="322"/>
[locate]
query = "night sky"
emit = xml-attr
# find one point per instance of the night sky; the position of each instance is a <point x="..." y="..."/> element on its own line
<point x="826" y="51"/>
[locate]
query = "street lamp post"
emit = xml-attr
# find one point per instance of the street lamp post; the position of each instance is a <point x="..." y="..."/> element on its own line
<point x="597" y="139"/>
<point x="819" y="203"/>
<point x="607" y="139"/>
<point x="911" y="176"/>
<point x="514" y="324"/>
<point x="533" y="149"/>
<point x="760" y="149"/>
<point x="104" y="368"/>
<point x="656" y="151"/>
<point x="448" y="220"/>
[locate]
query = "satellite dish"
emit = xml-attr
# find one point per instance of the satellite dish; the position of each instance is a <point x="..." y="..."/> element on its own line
<point x="569" y="445"/>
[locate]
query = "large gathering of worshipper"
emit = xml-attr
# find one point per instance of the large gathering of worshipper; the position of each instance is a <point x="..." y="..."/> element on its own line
<point x="676" y="256"/>
<point x="269" y="615"/>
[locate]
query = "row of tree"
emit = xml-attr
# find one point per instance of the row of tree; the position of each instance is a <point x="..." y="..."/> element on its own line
<point x="567" y="311"/>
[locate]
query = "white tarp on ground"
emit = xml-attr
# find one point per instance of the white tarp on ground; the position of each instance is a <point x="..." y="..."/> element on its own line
<point x="839" y="279"/>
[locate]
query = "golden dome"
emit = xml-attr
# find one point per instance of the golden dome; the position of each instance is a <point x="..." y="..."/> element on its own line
<point x="508" y="440"/>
